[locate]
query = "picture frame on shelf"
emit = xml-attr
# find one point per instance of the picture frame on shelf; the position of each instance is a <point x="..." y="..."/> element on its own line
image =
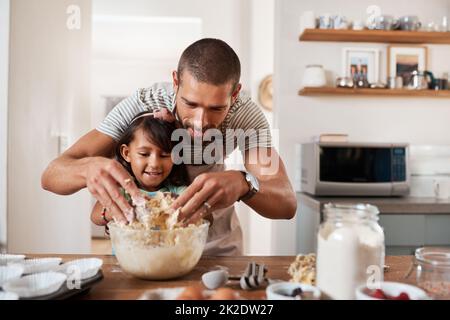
<point x="360" y="63"/>
<point x="402" y="60"/>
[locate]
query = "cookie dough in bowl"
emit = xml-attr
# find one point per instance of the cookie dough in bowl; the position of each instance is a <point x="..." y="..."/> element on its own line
<point x="153" y="250"/>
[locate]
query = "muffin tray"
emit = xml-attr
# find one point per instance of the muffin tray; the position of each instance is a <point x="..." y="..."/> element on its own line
<point x="64" y="293"/>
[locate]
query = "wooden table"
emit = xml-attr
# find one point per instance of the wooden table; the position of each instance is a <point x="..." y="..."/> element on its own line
<point x="118" y="285"/>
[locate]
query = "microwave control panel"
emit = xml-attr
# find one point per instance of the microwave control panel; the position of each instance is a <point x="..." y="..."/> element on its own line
<point x="398" y="164"/>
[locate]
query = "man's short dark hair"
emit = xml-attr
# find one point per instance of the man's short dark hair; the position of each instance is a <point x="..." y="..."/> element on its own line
<point x="211" y="61"/>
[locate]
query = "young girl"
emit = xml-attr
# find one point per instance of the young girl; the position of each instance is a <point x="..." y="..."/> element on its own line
<point x="145" y="151"/>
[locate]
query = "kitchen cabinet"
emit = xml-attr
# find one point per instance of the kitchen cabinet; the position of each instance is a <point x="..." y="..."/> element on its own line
<point x="408" y="222"/>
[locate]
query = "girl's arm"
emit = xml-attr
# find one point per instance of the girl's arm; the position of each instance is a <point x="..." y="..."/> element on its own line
<point x="96" y="215"/>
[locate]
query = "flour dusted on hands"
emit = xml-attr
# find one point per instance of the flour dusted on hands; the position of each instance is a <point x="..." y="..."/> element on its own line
<point x="155" y="213"/>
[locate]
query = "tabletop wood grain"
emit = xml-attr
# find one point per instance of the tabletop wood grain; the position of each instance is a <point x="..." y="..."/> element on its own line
<point x="118" y="285"/>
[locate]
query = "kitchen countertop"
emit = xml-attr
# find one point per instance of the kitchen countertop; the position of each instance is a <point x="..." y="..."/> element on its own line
<point x="386" y="205"/>
<point x="118" y="285"/>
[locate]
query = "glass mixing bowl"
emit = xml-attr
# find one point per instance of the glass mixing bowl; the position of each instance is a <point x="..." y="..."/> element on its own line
<point x="158" y="254"/>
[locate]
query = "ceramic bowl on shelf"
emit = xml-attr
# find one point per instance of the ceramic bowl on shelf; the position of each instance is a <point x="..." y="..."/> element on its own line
<point x="344" y="82"/>
<point x="314" y="76"/>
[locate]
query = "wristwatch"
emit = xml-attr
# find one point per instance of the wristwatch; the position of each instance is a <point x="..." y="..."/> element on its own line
<point x="253" y="185"/>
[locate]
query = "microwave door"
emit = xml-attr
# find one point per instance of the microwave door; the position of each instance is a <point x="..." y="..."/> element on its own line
<point x="355" y="165"/>
<point x="355" y="171"/>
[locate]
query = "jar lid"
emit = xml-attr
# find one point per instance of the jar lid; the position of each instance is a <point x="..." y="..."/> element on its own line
<point x="356" y="209"/>
<point x="350" y="206"/>
<point x="434" y="256"/>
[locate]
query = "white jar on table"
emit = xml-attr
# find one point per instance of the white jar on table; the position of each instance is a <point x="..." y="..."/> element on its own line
<point x="350" y="249"/>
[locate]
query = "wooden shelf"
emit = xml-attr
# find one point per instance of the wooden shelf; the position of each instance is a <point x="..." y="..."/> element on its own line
<point x="411" y="37"/>
<point x="332" y="91"/>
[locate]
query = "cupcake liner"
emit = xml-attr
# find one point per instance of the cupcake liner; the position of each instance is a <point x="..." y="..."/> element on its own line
<point x="6" y="259"/>
<point x="8" y="273"/>
<point x="39" y="265"/>
<point x="36" y="285"/>
<point x="87" y="268"/>
<point x="8" y="296"/>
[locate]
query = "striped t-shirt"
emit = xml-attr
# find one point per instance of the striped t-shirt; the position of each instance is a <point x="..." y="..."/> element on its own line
<point x="245" y="125"/>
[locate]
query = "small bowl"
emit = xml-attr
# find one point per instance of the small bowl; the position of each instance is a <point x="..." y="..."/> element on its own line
<point x="39" y="265"/>
<point x="6" y="259"/>
<point x="11" y="272"/>
<point x="87" y="268"/>
<point x="392" y="289"/>
<point x="162" y="294"/>
<point x="8" y="296"/>
<point x="36" y="285"/>
<point x="282" y="290"/>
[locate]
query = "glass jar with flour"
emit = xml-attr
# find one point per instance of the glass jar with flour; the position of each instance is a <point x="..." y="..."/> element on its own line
<point x="350" y="249"/>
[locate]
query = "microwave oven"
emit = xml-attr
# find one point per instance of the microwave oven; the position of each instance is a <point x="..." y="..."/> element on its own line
<point x="355" y="169"/>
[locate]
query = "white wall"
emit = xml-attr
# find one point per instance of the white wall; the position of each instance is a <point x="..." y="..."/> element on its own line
<point x="257" y="229"/>
<point x="4" y="62"/>
<point x="418" y="121"/>
<point x="120" y="72"/>
<point x="48" y="94"/>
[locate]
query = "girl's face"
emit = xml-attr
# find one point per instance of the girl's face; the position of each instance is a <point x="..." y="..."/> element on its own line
<point x="150" y="165"/>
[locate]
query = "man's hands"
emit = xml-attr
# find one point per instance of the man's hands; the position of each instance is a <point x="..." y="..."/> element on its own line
<point x="164" y="114"/>
<point x="219" y="190"/>
<point x="104" y="177"/>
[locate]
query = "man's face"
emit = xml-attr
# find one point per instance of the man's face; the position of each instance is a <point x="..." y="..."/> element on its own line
<point x="201" y="106"/>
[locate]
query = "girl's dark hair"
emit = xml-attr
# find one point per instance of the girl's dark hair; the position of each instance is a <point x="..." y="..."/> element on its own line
<point x="159" y="132"/>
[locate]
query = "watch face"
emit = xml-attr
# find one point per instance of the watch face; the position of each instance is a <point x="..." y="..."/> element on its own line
<point x="253" y="181"/>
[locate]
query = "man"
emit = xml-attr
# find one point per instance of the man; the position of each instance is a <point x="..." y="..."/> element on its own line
<point x="205" y="95"/>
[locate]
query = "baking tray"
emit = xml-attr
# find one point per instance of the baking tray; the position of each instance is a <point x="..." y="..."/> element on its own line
<point x="64" y="293"/>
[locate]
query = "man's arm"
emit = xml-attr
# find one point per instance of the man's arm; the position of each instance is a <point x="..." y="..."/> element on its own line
<point x="88" y="164"/>
<point x="67" y="174"/>
<point x="275" y="199"/>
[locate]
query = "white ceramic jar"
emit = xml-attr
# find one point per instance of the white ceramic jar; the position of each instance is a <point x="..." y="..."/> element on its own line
<point x="350" y="249"/>
<point x="314" y="76"/>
